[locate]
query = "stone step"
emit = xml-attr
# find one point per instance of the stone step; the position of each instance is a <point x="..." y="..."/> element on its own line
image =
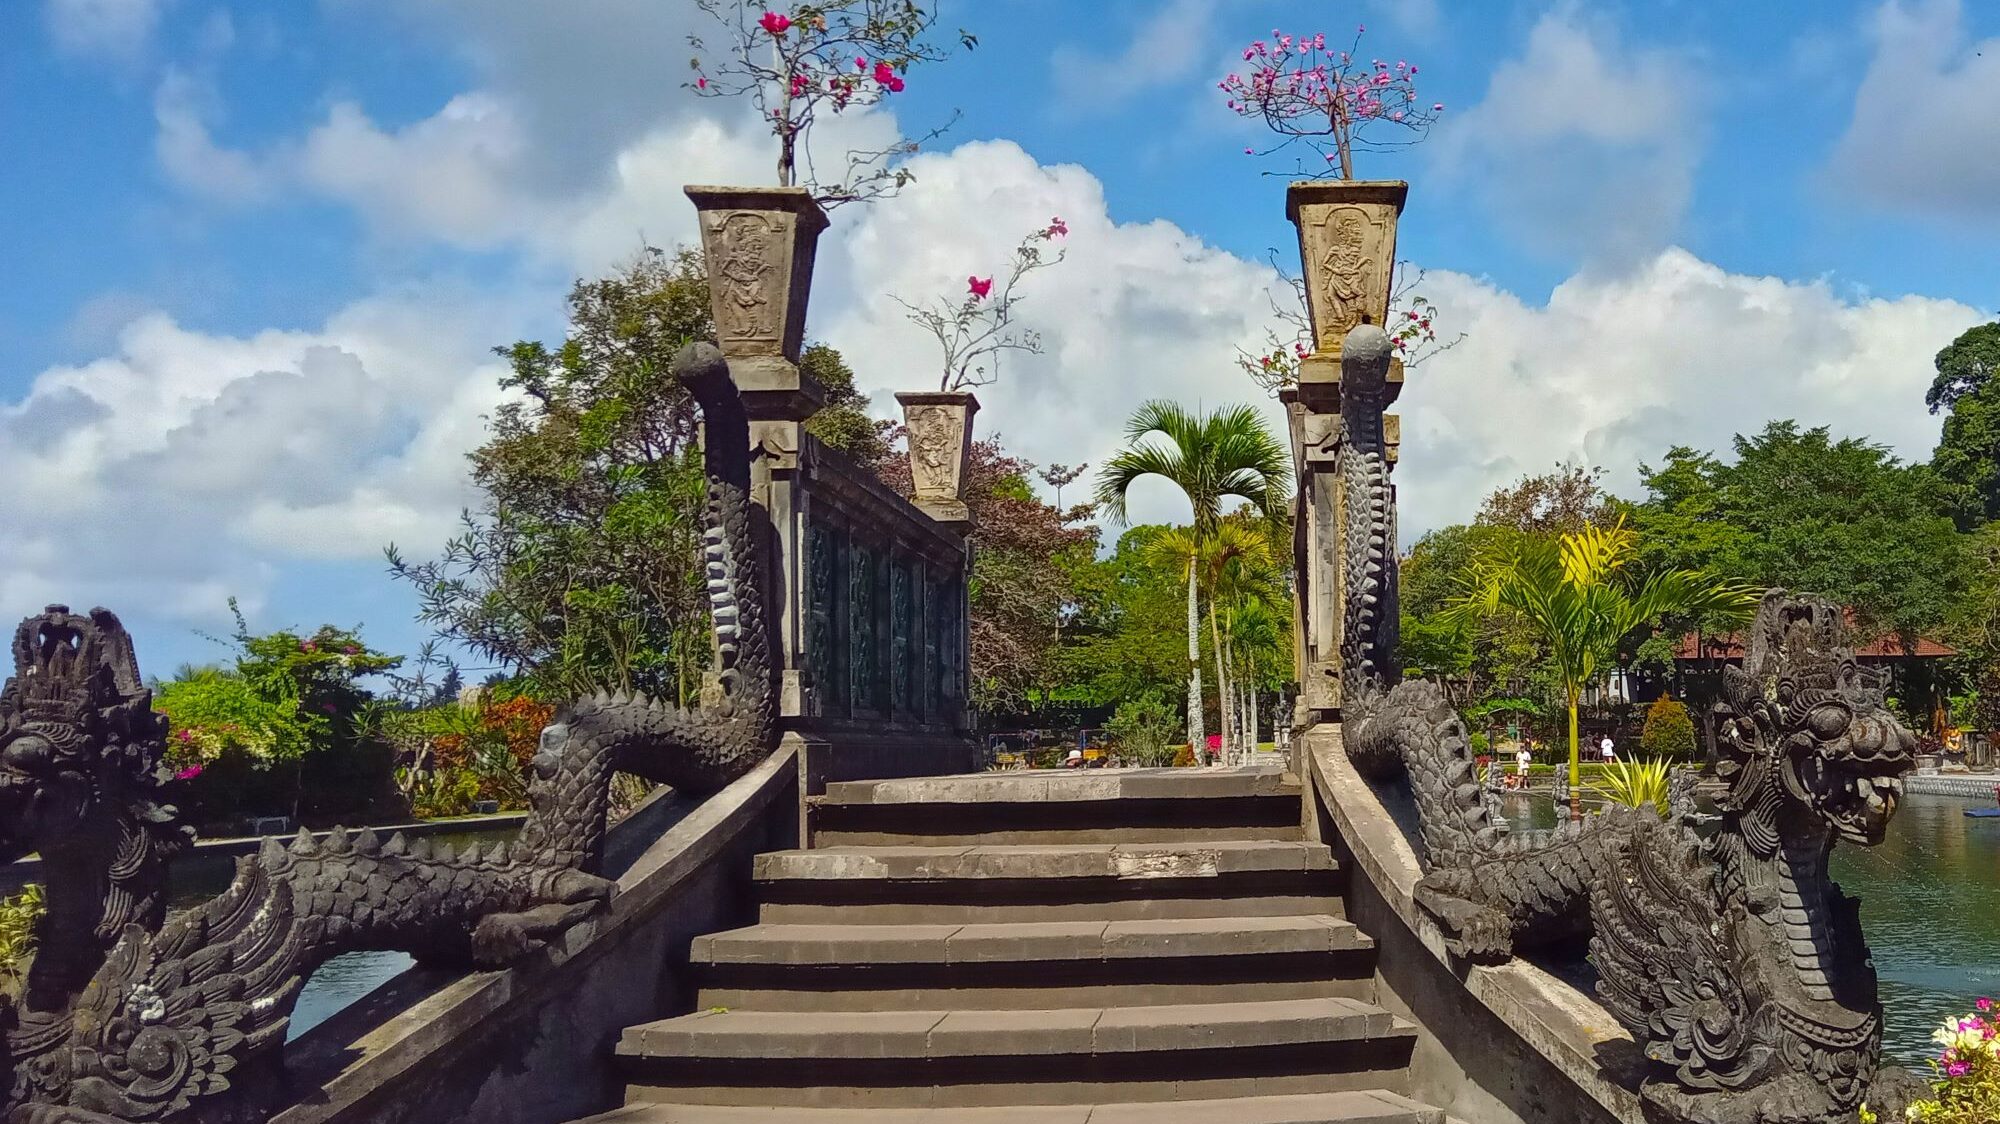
<point x="1359" y="1106"/>
<point x="1062" y="805"/>
<point x="1046" y="882"/>
<point x="1032" y="964"/>
<point x="919" y="1059"/>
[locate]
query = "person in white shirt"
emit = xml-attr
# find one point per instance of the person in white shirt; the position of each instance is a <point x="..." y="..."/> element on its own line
<point x="1604" y="746"/>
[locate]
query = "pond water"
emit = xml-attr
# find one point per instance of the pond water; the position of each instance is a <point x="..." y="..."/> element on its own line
<point x="1930" y="894"/>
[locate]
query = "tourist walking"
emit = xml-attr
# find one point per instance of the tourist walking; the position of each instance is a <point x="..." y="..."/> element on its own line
<point x="1605" y="747"/>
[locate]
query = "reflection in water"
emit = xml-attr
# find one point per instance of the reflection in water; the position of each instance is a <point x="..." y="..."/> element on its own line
<point x="1929" y="894"/>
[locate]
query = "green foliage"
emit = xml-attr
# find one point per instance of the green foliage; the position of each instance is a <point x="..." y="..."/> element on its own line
<point x="1579" y="593"/>
<point x="18" y="915"/>
<point x="439" y="793"/>
<point x="1798" y="509"/>
<point x="1635" y="784"/>
<point x="287" y="700"/>
<point x="1147" y="729"/>
<point x="213" y="711"/>
<point x="1967" y="387"/>
<point x="578" y="570"/>
<point x="843" y="422"/>
<point x="1668" y="732"/>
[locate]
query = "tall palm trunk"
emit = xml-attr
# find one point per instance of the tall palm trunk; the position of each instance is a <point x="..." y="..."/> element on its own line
<point x="1575" y="761"/>
<point x="1225" y="704"/>
<point x="1196" y="738"/>
<point x="1253" y="716"/>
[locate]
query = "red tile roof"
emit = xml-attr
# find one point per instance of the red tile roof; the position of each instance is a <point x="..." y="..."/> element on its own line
<point x="1728" y="646"/>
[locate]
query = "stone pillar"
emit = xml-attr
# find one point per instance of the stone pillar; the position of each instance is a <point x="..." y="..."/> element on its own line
<point x="1347" y="247"/>
<point x="759" y="245"/>
<point x="1347" y="251"/>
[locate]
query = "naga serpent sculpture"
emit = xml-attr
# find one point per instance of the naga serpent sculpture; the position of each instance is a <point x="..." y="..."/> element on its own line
<point x="1728" y="953"/>
<point x="127" y="1013"/>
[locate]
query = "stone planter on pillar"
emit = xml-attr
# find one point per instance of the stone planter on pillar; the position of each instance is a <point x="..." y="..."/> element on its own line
<point x="1347" y="245"/>
<point x="940" y="428"/>
<point x="759" y="244"/>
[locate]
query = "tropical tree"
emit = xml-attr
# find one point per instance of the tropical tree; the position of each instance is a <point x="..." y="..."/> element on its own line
<point x="1579" y="592"/>
<point x="1209" y="457"/>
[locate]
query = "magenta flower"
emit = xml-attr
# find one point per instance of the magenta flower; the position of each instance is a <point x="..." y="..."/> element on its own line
<point x="775" y="23"/>
<point x="799" y="84"/>
<point x="979" y="287"/>
<point x="1057" y="227"/>
<point x="701" y="83"/>
<point x="1957" y="1069"/>
<point x="188" y="774"/>
<point x="1984" y="1004"/>
<point x="307" y="646"/>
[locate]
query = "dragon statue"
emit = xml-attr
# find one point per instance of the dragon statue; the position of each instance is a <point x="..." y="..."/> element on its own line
<point x="1720" y="942"/>
<point x="128" y="1013"/>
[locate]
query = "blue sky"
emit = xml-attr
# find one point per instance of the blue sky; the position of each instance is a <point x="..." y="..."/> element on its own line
<point x="259" y="252"/>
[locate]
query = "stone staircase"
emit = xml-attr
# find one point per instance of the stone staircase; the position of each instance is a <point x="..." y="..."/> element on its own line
<point x="1116" y="946"/>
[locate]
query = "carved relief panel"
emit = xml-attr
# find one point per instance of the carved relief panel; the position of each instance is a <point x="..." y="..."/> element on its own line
<point x="1347" y="248"/>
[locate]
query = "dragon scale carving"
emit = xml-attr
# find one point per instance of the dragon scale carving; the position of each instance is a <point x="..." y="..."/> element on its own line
<point x="1720" y="942"/>
<point x="130" y="1014"/>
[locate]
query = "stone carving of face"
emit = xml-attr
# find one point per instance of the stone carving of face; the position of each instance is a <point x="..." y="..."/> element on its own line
<point x="1820" y="733"/>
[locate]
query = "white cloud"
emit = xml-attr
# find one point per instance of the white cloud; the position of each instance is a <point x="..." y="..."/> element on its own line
<point x="120" y="30"/>
<point x="1168" y="45"/>
<point x="187" y="152"/>
<point x="1925" y="131"/>
<point x="1138" y="310"/>
<point x="1613" y="371"/>
<point x="1583" y="147"/>
<point x="187" y="466"/>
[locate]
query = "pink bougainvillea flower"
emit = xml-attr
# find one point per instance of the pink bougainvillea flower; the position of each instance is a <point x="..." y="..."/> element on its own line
<point x="1957" y="1069"/>
<point x="701" y="83"/>
<point x="884" y="72"/>
<point x="979" y="287"/>
<point x="1057" y="227"/>
<point x="775" y="23"/>
<point x="1437" y="108"/>
<point x="188" y="774"/>
<point x="306" y="645"/>
<point x="799" y="84"/>
<point x="1984" y="1004"/>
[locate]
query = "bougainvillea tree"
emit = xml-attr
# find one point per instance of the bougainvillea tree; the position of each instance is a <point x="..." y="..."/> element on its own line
<point x="798" y="63"/>
<point x="1328" y="100"/>
<point x="976" y="329"/>
<point x="1413" y="328"/>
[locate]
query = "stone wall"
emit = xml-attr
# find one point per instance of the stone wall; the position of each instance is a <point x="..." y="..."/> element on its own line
<point x="534" y="1043"/>
<point x="1509" y="1044"/>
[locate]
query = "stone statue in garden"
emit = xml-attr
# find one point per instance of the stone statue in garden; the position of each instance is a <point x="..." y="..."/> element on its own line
<point x="1734" y="961"/>
<point x="128" y="1013"/>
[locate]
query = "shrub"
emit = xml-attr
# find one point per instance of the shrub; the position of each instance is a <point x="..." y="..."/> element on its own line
<point x="18" y="915"/>
<point x="1669" y="732"/>
<point x="1146" y="730"/>
<point x="1967" y="1089"/>
<point x="1481" y="744"/>
<point x="1635" y="784"/>
<point x="1184" y="756"/>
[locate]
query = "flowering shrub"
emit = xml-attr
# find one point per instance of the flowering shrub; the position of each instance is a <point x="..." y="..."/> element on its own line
<point x="211" y="712"/>
<point x="830" y="57"/>
<point x="1412" y="328"/>
<point x="1327" y="100"/>
<point x="974" y="330"/>
<point x="1967" y="1090"/>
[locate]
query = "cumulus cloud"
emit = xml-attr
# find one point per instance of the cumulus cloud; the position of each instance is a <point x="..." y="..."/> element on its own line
<point x="187" y="466"/>
<point x="119" y="30"/>
<point x="1613" y="371"/>
<point x="1583" y="146"/>
<point x="1138" y="310"/>
<point x="1925" y="132"/>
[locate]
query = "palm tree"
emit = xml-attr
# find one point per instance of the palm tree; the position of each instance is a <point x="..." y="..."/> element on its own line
<point x="1209" y="457"/>
<point x="1577" y="592"/>
<point x="1233" y="564"/>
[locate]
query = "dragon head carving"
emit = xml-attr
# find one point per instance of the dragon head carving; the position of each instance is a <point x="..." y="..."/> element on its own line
<point x="1807" y="731"/>
<point x="78" y="735"/>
